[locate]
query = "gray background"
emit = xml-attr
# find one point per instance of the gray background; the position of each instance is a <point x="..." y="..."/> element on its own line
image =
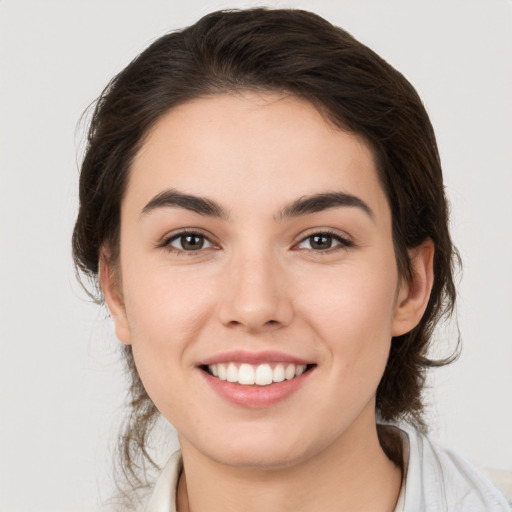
<point x="61" y="385"/>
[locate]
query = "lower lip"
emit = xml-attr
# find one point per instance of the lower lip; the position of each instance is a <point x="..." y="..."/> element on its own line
<point x="256" y="396"/>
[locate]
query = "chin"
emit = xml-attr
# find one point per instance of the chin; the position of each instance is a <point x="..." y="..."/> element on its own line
<point x="259" y="459"/>
<point x="261" y="450"/>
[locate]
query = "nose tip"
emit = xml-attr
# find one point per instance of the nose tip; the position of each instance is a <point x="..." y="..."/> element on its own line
<point x="256" y="320"/>
<point x="257" y="300"/>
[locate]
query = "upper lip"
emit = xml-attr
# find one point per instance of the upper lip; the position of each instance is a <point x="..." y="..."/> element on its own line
<point x="244" y="356"/>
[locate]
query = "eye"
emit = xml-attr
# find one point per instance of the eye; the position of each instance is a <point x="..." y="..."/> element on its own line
<point x="189" y="242"/>
<point x="323" y="242"/>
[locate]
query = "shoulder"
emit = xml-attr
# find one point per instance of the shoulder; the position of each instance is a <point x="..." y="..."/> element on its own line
<point x="439" y="480"/>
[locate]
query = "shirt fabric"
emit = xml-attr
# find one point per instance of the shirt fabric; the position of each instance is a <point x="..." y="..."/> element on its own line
<point x="435" y="480"/>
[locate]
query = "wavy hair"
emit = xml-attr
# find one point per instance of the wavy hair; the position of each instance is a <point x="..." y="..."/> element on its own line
<point x="298" y="53"/>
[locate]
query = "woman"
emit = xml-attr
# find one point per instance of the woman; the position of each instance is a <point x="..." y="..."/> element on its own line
<point x="262" y="205"/>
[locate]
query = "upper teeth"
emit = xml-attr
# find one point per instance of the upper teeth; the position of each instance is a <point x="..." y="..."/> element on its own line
<point x="261" y="375"/>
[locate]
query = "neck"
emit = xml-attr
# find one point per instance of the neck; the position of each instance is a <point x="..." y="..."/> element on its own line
<point x="352" y="474"/>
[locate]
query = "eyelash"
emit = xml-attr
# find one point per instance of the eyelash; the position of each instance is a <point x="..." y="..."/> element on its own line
<point x="342" y="242"/>
<point x="166" y="243"/>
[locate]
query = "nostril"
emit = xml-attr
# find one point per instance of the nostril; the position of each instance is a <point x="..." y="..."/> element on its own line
<point x="267" y="324"/>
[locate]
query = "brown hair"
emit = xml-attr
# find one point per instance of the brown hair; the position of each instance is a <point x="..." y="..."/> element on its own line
<point x="301" y="54"/>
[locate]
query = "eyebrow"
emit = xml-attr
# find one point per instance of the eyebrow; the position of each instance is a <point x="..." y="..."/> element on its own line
<point x="174" y="198"/>
<point x="324" y="201"/>
<point x="302" y="206"/>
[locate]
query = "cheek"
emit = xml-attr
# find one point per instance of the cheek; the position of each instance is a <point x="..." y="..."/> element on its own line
<point x="164" y="304"/>
<point x="352" y="311"/>
<point x="352" y="297"/>
<point x="165" y="314"/>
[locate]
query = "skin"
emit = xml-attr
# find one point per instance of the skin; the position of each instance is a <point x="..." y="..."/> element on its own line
<point x="258" y="284"/>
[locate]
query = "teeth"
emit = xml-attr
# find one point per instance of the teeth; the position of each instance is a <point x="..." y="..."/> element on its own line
<point x="299" y="370"/>
<point x="246" y="374"/>
<point x="289" y="373"/>
<point x="261" y="375"/>
<point x="278" y="373"/>
<point x="222" y="371"/>
<point x="232" y="373"/>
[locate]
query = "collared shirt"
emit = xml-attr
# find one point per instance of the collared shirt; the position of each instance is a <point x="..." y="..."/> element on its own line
<point x="435" y="480"/>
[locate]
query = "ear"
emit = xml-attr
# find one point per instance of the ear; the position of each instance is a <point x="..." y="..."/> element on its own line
<point x="111" y="287"/>
<point x="413" y="295"/>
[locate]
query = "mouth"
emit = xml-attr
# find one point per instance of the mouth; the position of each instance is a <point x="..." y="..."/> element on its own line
<point x="256" y="380"/>
<point x="263" y="374"/>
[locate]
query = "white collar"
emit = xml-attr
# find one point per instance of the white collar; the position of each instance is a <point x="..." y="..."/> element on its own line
<point x="436" y="480"/>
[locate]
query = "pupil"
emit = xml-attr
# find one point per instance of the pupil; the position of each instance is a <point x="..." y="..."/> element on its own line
<point x="321" y="242"/>
<point x="193" y="242"/>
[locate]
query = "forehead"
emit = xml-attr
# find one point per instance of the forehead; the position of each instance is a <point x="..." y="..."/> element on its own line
<point x="258" y="150"/>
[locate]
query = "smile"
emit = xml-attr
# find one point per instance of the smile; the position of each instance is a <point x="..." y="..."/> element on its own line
<point x="256" y="374"/>
<point x="255" y="380"/>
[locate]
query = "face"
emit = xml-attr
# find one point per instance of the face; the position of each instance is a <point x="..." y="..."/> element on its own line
<point x="258" y="282"/>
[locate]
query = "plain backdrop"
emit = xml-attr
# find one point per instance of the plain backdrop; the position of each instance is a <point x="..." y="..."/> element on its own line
<point x="62" y="389"/>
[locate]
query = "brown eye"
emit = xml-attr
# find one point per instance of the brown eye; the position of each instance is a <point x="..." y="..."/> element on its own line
<point x="320" y="242"/>
<point x="190" y="242"/>
<point x="323" y="242"/>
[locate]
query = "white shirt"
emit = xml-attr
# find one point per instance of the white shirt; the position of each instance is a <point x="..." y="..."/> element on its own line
<point x="435" y="480"/>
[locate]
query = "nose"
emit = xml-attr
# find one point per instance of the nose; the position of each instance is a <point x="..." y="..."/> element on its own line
<point x="256" y="298"/>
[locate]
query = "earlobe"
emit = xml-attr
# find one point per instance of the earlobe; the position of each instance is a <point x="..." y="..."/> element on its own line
<point x="413" y="295"/>
<point x="111" y="288"/>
